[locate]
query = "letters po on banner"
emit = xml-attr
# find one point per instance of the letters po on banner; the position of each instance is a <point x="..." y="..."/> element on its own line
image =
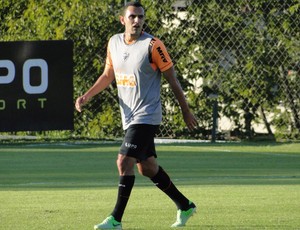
<point x="36" y="85"/>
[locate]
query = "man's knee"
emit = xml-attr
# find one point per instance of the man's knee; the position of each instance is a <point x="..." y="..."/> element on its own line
<point x="146" y="172"/>
<point x="125" y="165"/>
<point x="148" y="169"/>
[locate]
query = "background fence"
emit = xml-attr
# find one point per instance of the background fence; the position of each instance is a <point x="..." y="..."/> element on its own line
<point x="239" y="60"/>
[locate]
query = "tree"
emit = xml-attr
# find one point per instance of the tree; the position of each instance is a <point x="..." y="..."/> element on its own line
<point x="244" y="52"/>
<point x="238" y="49"/>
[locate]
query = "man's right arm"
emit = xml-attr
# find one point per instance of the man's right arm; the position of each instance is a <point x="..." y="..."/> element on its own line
<point x="105" y="79"/>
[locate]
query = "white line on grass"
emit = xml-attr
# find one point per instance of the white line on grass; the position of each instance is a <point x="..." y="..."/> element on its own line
<point x="257" y="153"/>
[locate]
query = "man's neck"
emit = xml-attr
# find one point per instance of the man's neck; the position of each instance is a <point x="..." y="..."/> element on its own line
<point x="130" y="39"/>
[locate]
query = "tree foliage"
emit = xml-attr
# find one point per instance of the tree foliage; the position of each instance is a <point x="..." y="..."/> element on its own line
<point x="244" y="52"/>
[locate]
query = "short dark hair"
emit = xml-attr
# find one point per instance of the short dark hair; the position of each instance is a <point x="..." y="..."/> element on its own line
<point x="135" y="4"/>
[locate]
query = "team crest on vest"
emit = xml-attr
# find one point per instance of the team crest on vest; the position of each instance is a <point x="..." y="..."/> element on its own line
<point x="125" y="56"/>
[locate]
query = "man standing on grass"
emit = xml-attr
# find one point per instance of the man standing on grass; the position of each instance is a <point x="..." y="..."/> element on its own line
<point x="136" y="60"/>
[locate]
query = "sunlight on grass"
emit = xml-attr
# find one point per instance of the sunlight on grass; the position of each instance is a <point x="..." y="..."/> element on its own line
<point x="75" y="187"/>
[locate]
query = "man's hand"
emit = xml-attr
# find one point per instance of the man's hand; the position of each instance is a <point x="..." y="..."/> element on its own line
<point x="81" y="101"/>
<point x="190" y="120"/>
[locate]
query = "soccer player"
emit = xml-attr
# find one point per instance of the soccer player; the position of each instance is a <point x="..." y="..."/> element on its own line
<point x="136" y="60"/>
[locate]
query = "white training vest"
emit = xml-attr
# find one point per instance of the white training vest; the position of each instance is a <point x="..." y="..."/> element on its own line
<point x="138" y="84"/>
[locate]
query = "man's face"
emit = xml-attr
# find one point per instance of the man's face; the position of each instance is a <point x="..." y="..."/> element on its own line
<point x="133" y="20"/>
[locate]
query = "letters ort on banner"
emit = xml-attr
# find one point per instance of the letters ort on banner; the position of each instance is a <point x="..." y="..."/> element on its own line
<point x="36" y="86"/>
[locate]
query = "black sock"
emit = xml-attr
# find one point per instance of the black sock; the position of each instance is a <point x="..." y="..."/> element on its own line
<point x="125" y="187"/>
<point x="164" y="183"/>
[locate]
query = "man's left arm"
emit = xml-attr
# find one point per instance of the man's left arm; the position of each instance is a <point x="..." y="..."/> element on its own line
<point x="188" y="116"/>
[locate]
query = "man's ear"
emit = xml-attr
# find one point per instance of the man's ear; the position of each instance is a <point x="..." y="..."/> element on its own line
<point x="122" y="20"/>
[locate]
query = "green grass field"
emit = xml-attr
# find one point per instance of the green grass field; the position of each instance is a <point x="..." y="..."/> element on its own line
<point x="235" y="186"/>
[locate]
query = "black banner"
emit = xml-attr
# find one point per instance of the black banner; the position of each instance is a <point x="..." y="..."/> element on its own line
<point x="36" y="86"/>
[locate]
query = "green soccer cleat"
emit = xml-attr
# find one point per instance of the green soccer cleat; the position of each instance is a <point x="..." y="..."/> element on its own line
<point x="183" y="216"/>
<point x="109" y="223"/>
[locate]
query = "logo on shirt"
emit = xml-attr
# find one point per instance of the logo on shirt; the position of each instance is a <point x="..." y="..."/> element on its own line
<point x="125" y="80"/>
<point x="125" y="56"/>
<point x="162" y="55"/>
